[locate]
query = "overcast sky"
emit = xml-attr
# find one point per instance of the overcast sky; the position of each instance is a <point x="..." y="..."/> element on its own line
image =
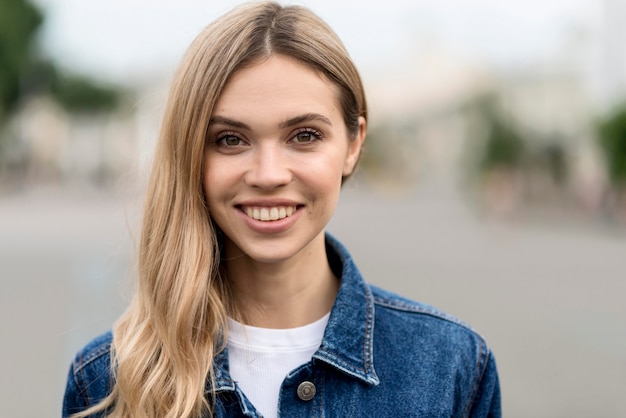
<point x="119" y="39"/>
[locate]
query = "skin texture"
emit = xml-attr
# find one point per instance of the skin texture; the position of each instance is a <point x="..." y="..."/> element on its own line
<point x="277" y="139"/>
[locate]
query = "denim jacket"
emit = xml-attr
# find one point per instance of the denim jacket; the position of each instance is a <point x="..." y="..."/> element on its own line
<point x="381" y="356"/>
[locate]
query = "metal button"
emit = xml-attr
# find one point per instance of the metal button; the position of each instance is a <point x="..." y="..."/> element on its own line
<point x="306" y="391"/>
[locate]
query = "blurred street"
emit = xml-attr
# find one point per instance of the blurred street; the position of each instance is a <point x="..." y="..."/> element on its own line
<point x="548" y="297"/>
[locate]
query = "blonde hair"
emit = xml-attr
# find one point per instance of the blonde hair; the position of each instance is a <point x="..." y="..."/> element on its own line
<point x="165" y="343"/>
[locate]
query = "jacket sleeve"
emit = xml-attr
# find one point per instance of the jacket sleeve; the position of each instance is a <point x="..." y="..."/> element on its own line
<point x="89" y="380"/>
<point x="487" y="403"/>
<point x="73" y="401"/>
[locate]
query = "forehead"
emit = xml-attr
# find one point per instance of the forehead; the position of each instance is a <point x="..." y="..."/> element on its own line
<point x="278" y="83"/>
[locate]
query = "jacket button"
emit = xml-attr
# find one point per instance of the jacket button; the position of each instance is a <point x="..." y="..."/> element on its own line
<point x="306" y="391"/>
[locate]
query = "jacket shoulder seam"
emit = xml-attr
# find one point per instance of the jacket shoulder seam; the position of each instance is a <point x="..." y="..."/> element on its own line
<point x="83" y="360"/>
<point x="481" y="366"/>
<point x="417" y="308"/>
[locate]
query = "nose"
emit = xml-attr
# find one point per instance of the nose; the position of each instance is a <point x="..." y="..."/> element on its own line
<point x="270" y="168"/>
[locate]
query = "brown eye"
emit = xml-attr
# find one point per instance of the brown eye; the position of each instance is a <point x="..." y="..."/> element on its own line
<point x="306" y="136"/>
<point x="229" y="140"/>
<point x="232" y="140"/>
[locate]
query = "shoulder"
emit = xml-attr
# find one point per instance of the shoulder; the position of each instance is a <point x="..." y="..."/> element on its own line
<point x="96" y="351"/>
<point x="386" y="300"/>
<point x="425" y="326"/>
<point x="435" y="347"/>
<point x="89" y="379"/>
<point x="416" y="342"/>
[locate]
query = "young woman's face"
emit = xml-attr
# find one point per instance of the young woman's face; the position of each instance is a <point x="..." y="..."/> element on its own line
<point x="277" y="148"/>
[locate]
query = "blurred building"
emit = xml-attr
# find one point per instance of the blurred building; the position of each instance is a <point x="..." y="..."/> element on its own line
<point x="419" y="106"/>
<point x="553" y="100"/>
<point x="609" y="78"/>
<point x="48" y="145"/>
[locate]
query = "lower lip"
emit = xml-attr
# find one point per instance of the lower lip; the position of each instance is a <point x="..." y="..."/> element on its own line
<point x="270" y="227"/>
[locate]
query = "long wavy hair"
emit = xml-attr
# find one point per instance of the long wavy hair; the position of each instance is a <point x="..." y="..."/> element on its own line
<point x="164" y="344"/>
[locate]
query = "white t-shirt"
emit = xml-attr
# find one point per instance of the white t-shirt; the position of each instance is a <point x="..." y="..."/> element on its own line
<point x="260" y="358"/>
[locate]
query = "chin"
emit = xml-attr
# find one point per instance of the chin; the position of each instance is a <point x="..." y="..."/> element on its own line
<point x="270" y="255"/>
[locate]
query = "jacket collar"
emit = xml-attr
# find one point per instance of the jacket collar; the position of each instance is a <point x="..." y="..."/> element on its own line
<point x="348" y="340"/>
<point x="347" y="344"/>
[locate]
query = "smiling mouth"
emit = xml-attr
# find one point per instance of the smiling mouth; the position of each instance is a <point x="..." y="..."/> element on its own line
<point x="267" y="214"/>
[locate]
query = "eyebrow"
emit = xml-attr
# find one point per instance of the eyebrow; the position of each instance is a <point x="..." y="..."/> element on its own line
<point x="228" y="122"/>
<point x="307" y="117"/>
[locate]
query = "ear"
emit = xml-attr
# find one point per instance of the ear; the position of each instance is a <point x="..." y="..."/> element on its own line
<point x="354" y="148"/>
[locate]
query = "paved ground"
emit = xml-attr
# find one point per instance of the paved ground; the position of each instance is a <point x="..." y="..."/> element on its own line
<point x="549" y="298"/>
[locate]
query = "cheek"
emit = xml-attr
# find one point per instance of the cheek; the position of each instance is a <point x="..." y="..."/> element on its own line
<point x="212" y="181"/>
<point x="206" y="177"/>
<point x="322" y="175"/>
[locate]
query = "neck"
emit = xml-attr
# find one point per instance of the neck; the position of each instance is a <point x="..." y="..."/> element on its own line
<point x="286" y="294"/>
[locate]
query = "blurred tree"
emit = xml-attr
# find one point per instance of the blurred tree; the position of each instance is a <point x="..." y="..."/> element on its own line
<point x="612" y="140"/>
<point x="496" y="156"/>
<point x="503" y="147"/>
<point x="554" y="158"/>
<point x="19" y="21"/>
<point x="78" y="94"/>
<point x="24" y="72"/>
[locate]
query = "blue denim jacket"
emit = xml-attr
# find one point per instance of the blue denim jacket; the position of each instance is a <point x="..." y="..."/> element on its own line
<point x="381" y="356"/>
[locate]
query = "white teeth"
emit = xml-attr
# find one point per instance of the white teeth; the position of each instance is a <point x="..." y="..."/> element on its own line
<point x="269" y="214"/>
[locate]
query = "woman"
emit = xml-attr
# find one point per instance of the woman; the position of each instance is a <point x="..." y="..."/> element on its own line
<point x="245" y="306"/>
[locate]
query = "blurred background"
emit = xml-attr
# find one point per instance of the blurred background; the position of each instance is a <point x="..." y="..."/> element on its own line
<point x="493" y="184"/>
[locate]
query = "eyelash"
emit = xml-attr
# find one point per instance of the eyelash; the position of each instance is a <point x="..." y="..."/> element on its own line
<point x="316" y="135"/>
<point x="219" y="139"/>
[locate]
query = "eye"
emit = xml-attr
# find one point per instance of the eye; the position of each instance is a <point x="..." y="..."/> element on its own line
<point x="306" y="136"/>
<point x="229" y="140"/>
